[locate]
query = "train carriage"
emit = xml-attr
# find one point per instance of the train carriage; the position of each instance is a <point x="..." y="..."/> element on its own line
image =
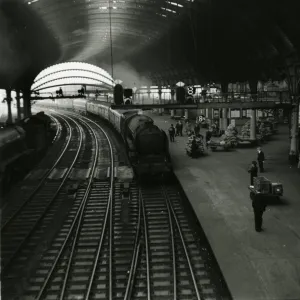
<point x="146" y="144"/>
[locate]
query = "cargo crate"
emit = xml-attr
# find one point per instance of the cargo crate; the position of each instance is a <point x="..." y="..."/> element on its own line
<point x="262" y="185"/>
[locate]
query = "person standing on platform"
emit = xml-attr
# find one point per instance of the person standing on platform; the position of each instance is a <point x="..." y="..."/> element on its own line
<point x="253" y="172"/>
<point x="197" y="129"/>
<point x="177" y="129"/>
<point x="208" y="136"/>
<point x="260" y="159"/>
<point x="172" y="133"/>
<point x="188" y="128"/>
<point x="180" y="127"/>
<point x="259" y="206"/>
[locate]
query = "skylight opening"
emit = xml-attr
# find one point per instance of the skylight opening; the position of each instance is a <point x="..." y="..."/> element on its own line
<point x="175" y="4"/>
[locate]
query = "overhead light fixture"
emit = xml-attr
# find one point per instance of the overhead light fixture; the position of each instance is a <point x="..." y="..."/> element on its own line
<point x="175" y="4"/>
<point x="170" y="10"/>
<point x="30" y="2"/>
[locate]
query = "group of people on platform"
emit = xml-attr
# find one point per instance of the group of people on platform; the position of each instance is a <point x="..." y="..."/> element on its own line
<point x="177" y="130"/>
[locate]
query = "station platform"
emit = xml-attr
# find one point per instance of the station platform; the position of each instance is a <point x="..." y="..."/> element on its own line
<point x="256" y="266"/>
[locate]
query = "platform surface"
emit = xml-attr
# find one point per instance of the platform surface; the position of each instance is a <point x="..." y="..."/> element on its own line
<point x="256" y="266"/>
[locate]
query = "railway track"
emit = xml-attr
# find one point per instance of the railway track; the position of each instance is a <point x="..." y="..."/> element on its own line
<point x="155" y="255"/>
<point x="169" y="262"/>
<point x="70" y="266"/>
<point x="25" y="227"/>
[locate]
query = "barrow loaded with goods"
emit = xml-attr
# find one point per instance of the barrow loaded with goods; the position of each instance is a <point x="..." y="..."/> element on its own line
<point x="227" y="141"/>
<point x="199" y="150"/>
<point x="265" y="187"/>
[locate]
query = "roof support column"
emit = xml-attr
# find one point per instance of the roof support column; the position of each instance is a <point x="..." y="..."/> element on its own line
<point x="18" y="104"/>
<point x="149" y="95"/>
<point x="26" y="102"/>
<point x="253" y="125"/>
<point x="160" y="110"/>
<point x="293" y="76"/>
<point x="172" y="101"/>
<point x="224" y="119"/>
<point x="8" y="101"/>
<point x="253" y="88"/>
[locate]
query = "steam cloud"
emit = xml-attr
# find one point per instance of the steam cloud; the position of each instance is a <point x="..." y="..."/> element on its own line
<point x="130" y="77"/>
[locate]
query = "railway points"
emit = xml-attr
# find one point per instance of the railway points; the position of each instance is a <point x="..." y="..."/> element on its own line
<point x="208" y="287"/>
<point x="255" y="266"/>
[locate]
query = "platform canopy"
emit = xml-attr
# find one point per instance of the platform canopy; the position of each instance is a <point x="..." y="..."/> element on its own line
<point x="166" y="41"/>
<point x="72" y="74"/>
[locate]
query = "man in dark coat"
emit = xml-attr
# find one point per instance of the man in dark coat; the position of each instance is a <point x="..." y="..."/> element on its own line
<point x="260" y="159"/>
<point x="253" y="171"/>
<point x="197" y="128"/>
<point x="177" y="129"/>
<point x="259" y="206"/>
<point x="180" y="127"/>
<point x="172" y="133"/>
<point x="208" y="136"/>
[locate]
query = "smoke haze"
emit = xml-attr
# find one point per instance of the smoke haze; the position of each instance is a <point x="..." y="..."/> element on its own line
<point x="130" y="77"/>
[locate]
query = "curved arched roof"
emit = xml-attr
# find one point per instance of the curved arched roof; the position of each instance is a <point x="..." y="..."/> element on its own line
<point x="72" y="73"/>
<point x="167" y="40"/>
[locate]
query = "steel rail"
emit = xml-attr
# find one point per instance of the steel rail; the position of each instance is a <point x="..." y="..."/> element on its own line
<point x="78" y="217"/>
<point x="173" y="246"/>
<point x="16" y="213"/>
<point x="84" y="201"/>
<point x="184" y="245"/>
<point x="42" y="290"/>
<point x="5" y="267"/>
<point x="146" y="248"/>
<point x="59" y="129"/>
<point x="135" y="256"/>
<point x="109" y="207"/>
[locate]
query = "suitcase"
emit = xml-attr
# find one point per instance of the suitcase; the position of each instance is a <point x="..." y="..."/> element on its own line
<point x="262" y="185"/>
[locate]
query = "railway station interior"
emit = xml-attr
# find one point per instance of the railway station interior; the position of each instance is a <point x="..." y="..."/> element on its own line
<point x="150" y="149"/>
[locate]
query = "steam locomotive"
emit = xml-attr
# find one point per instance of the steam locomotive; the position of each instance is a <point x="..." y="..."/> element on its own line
<point x="21" y="146"/>
<point x="146" y="144"/>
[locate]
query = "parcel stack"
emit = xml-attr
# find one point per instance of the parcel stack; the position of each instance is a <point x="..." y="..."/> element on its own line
<point x="230" y="136"/>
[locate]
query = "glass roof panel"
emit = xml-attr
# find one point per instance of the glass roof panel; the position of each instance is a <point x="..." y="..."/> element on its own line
<point x="86" y="24"/>
<point x="72" y="73"/>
